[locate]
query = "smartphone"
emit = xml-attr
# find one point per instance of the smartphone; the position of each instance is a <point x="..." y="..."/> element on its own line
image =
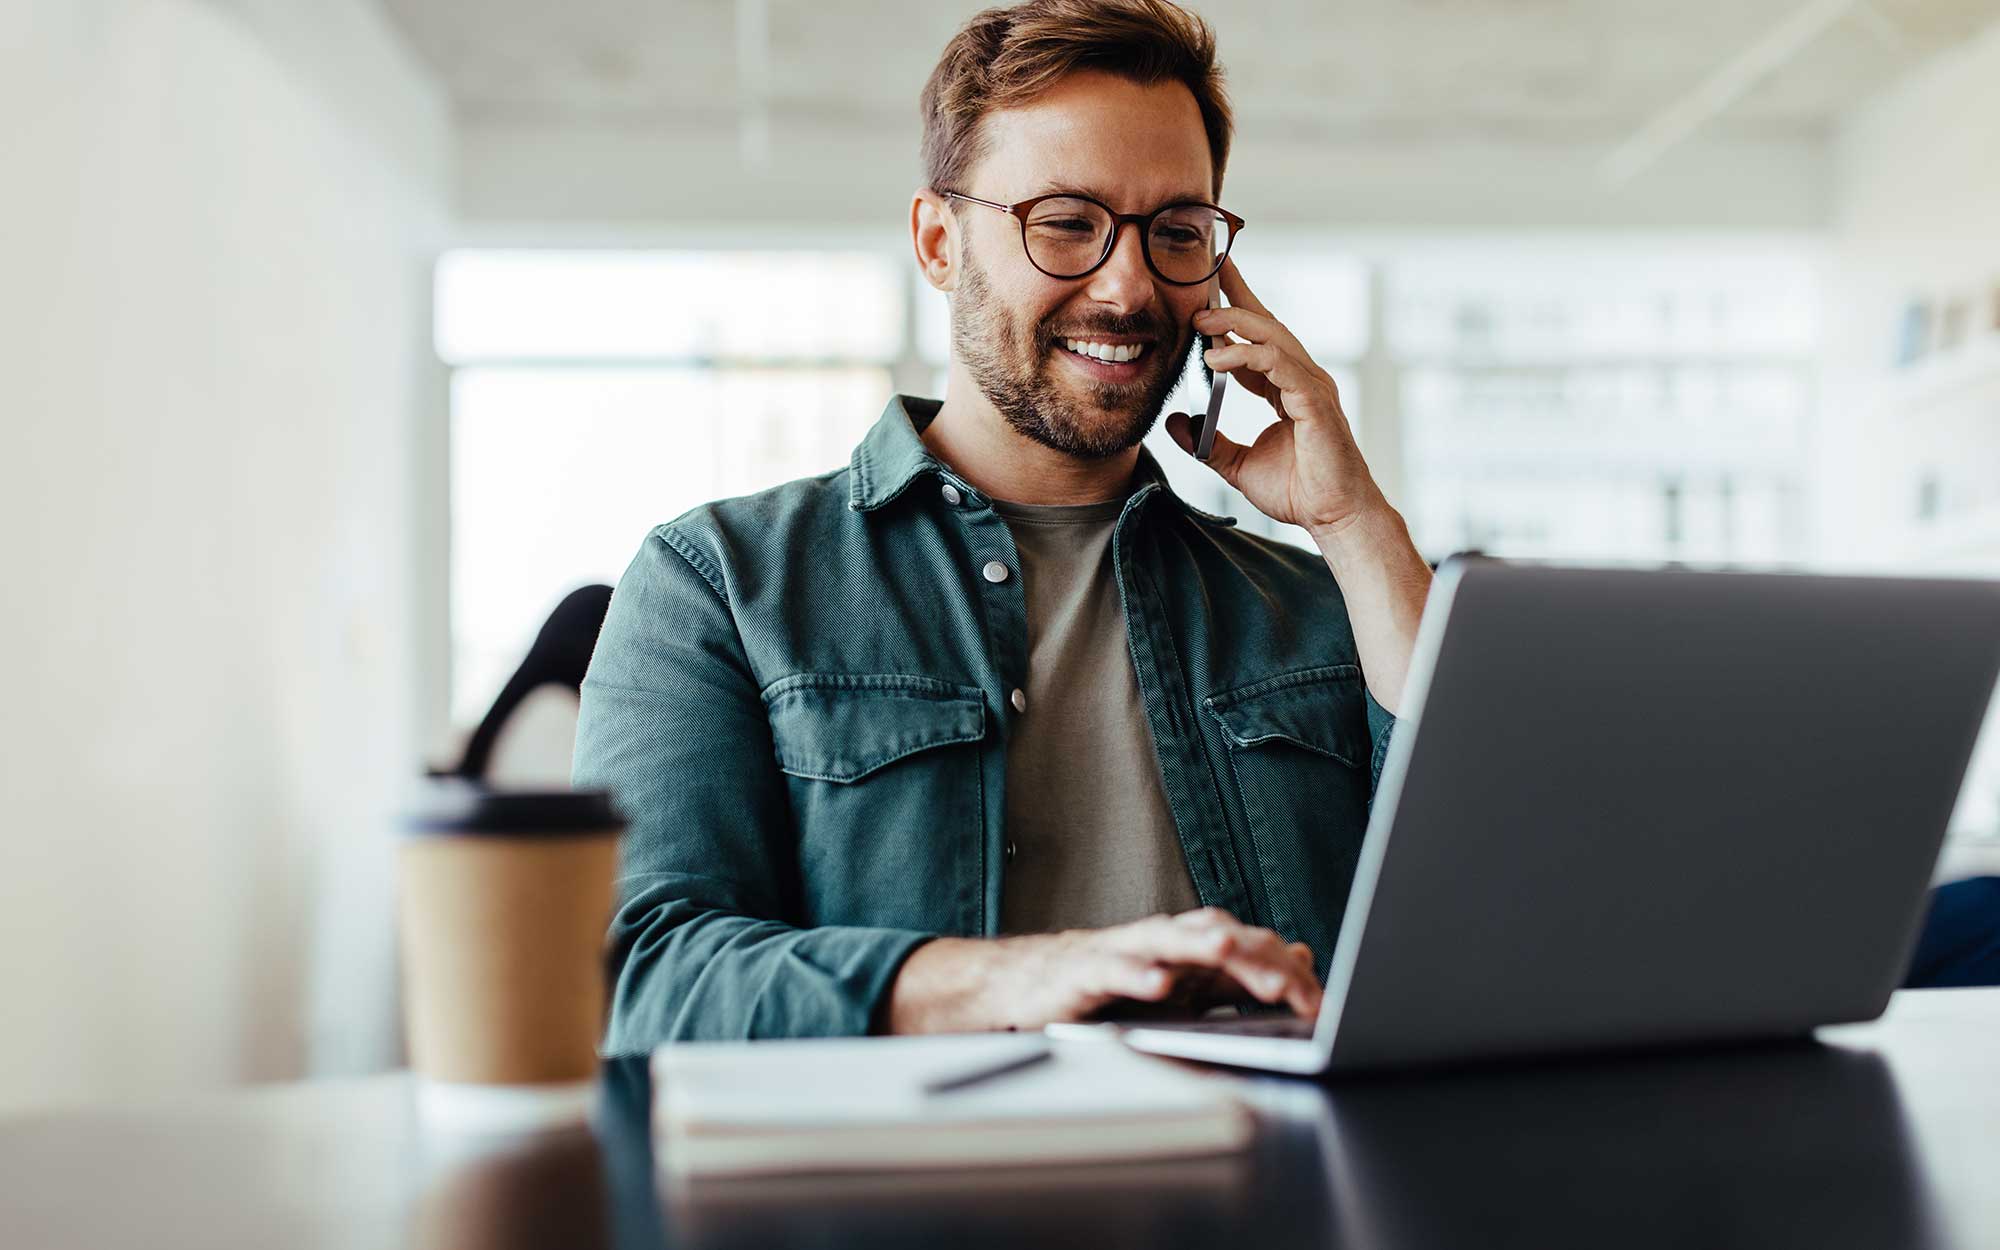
<point x="1204" y="428"/>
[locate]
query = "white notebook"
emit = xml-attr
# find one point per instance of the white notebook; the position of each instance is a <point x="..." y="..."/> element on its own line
<point x="858" y="1104"/>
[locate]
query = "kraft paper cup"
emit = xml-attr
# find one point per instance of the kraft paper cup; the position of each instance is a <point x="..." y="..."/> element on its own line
<point x="505" y="899"/>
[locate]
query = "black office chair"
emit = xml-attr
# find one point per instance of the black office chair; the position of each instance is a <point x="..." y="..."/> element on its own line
<point x="560" y="655"/>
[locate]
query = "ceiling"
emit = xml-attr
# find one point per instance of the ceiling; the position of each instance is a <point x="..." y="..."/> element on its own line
<point x="1569" y="71"/>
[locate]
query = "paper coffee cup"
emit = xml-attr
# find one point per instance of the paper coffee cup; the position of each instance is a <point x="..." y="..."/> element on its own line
<point x="505" y="899"/>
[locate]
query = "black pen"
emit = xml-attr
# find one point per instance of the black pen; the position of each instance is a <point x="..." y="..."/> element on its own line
<point x="976" y="1076"/>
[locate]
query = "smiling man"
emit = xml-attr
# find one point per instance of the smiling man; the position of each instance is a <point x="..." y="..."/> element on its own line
<point x="988" y="728"/>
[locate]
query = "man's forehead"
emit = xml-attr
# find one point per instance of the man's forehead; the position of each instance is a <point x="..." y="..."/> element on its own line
<point x="1112" y="194"/>
<point x="1130" y="145"/>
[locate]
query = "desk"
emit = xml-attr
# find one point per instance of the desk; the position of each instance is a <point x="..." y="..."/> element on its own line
<point x="1887" y="1135"/>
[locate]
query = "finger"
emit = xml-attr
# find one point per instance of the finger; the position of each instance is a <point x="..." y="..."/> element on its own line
<point x="1161" y="940"/>
<point x="1263" y="388"/>
<point x="1201" y="918"/>
<point x="1113" y="975"/>
<point x="1303" y="393"/>
<point x="1268" y="969"/>
<point x="1237" y="289"/>
<point x="1249" y="325"/>
<point x="1201" y="987"/>
<point x="1205" y="916"/>
<point x="1198" y="986"/>
<point x="1225" y="456"/>
<point x="1259" y="960"/>
<point x="1270" y="360"/>
<point x="1267" y="986"/>
<point x="1240" y="979"/>
<point x="1209" y="938"/>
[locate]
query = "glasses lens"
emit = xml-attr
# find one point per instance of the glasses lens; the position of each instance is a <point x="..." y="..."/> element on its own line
<point x="1066" y="236"/>
<point x="1188" y="242"/>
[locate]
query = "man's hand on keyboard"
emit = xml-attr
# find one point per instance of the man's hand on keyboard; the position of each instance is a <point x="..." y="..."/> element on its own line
<point x="1198" y="959"/>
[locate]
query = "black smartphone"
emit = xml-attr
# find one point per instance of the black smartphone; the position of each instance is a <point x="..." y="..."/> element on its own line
<point x="1204" y="425"/>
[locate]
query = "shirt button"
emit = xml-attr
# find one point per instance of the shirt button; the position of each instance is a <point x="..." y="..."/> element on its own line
<point x="950" y="493"/>
<point x="995" y="571"/>
<point x="1019" y="700"/>
<point x="1010" y="852"/>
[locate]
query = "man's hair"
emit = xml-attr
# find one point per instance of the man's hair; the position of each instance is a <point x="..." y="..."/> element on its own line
<point x="1005" y="57"/>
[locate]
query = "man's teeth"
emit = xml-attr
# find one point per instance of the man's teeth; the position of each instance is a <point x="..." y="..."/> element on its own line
<point x="1115" y="353"/>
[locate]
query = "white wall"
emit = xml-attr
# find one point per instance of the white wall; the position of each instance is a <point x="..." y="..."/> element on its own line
<point x="224" y="429"/>
<point x="1915" y="213"/>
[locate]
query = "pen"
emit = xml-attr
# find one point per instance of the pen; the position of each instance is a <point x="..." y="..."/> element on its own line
<point x="976" y="1076"/>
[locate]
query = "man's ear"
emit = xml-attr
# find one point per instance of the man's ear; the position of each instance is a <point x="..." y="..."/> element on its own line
<point x="934" y="234"/>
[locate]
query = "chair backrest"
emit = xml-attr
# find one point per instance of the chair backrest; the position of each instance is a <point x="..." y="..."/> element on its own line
<point x="559" y="656"/>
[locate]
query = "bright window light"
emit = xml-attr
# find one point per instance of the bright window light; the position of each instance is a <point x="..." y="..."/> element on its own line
<point x="558" y="475"/>
<point x="657" y="305"/>
<point x="600" y="393"/>
<point x="1553" y="397"/>
<point x="1606" y="400"/>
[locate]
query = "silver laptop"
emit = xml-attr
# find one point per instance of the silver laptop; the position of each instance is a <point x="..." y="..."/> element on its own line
<point x="1643" y="808"/>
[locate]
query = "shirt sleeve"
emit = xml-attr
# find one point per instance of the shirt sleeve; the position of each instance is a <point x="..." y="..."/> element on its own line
<point x="706" y="941"/>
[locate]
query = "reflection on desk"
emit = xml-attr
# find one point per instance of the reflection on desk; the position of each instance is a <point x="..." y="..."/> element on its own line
<point x="522" y="1195"/>
<point x="1885" y="1135"/>
<point x="1803" y="1145"/>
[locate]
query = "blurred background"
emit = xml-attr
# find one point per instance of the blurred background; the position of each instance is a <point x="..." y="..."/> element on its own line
<point x="341" y="339"/>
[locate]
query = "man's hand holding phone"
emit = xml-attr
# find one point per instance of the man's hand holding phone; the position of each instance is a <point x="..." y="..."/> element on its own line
<point x="1305" y="469"/>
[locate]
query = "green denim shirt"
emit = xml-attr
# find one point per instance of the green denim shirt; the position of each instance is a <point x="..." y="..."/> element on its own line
<point x="800" y="699"/>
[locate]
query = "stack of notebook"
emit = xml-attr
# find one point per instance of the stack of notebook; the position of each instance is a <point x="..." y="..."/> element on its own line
<point x="757" y="1108"/>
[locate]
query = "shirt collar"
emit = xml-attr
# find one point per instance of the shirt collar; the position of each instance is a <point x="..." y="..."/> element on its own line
<point x="892" y="456"/>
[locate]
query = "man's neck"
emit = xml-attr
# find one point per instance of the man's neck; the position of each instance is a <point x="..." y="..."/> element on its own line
<point x="971" y="436"/>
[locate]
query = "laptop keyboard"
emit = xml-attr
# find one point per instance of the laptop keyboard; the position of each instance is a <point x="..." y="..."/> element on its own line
<point x="1262" y="1025"/>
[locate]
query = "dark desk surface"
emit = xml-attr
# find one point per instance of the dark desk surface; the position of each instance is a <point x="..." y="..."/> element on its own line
<point x="1887" y="1135"/>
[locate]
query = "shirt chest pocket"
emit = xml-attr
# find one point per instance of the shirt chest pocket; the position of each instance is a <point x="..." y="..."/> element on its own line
<point x="883" y="771"/>
<point x="1299" y="750"/>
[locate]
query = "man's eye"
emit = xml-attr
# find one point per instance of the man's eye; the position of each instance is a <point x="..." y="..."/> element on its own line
<point x="1180" y="238"/>
<point x="1070" y="224"/>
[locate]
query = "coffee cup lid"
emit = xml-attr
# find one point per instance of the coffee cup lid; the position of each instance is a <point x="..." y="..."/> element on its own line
<point x="457" y="806"/>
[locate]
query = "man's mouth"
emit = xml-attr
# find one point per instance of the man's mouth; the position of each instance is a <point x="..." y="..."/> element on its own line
<point x="1109" y="360"/>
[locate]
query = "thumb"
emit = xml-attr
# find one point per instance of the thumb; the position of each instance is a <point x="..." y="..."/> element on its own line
<point x="1223" y="452"/>
<point x="1225" y="456"/>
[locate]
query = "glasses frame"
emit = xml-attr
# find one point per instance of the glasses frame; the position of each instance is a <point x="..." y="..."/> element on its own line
<point x="1144" y="221"/>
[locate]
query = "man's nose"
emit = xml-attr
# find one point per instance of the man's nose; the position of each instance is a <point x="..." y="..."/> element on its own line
<point x="1125" y="281"/>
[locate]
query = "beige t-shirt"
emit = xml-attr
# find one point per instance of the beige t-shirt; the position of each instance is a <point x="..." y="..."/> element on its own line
<point x="1090" y="839"/>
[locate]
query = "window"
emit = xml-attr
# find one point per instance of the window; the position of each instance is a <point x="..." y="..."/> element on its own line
<point x="598" y="394"/>
<point x="558" y="474"/>
<point x="1561" y="398"/>
<point x="1605" y="402"/>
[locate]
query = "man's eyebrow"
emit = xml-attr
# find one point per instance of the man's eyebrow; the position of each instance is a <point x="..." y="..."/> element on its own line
<point x="1097" y="193"/>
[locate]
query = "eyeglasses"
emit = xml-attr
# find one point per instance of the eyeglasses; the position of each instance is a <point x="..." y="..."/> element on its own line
<point x="1070" y="236"/>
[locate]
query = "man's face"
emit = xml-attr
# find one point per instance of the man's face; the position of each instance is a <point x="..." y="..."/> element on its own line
<point x="1135" y="148"/>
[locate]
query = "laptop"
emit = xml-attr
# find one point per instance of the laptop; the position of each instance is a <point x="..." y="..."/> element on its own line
<point x="1642" y="808"/>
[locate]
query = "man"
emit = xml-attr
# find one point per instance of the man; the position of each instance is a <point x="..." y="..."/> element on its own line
<point x="988" y="728"/>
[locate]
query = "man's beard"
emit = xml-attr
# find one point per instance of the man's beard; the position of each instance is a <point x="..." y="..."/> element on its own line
<point x="1013" y="372"/>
